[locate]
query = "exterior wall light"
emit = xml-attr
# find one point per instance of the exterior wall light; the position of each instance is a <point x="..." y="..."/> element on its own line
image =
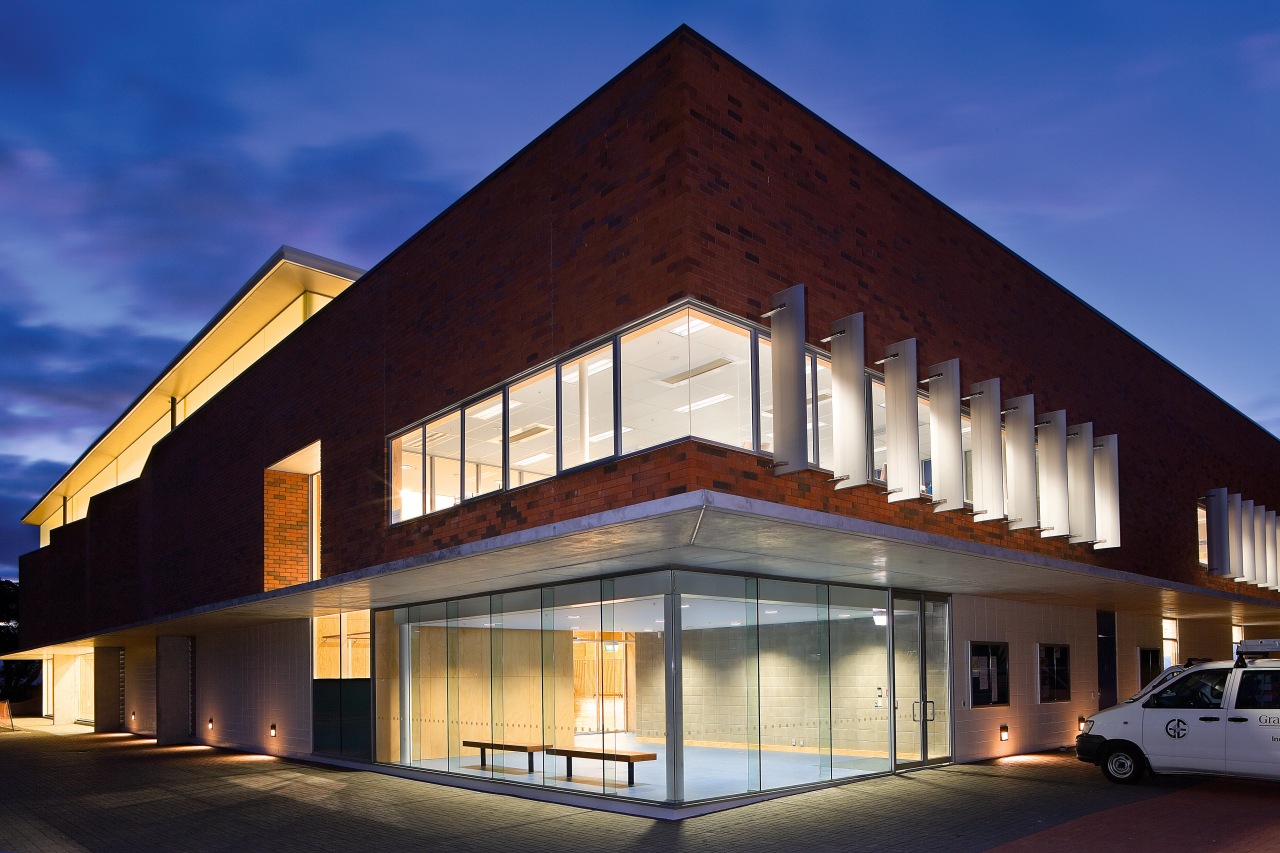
<point x="1004" y="733"/>
<point x="273" y="729"/>
<point x="133" y="715"/>
<point x="1081" y="723"/>
<point x="211" y="724"/>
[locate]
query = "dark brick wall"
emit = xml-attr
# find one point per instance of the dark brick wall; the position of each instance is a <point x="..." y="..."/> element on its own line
<point x="284" y="539"/>
<point x="685" y="176"/>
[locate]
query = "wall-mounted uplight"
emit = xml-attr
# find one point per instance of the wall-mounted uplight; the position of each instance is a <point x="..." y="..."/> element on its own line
<point x="211" y="724"/>
<point x="1004" y="733"/>
<point x="273" y="729"/>
<point x="133" y="715"/>
<point x="1081" y="722"/>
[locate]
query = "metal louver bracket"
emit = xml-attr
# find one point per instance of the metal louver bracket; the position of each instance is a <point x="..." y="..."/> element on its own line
<point x="786" y="337"/>
<point x="1020" y="462"/>
<point x="849" y="402"/>
<point x="902" y="426"/>
<point x="988" y="450"/>
<point x="1081" y="495"/>
<point x="1106" y="484"/>
<point x="946" y="440"/>
<point x="1051" y="473"/>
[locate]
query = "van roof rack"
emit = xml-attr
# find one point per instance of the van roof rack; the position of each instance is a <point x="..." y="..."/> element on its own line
<point x="1245" y="648"/>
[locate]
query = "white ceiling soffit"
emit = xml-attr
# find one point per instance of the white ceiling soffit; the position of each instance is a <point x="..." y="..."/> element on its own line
<point x="724" y="533"/>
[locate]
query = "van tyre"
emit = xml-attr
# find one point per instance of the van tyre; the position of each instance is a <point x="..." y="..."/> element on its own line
<point x="1124" y="765"/>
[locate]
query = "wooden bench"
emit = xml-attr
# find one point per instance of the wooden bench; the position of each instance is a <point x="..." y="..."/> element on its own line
<point x="603" y="755"/>
<point x="483" y="745"/>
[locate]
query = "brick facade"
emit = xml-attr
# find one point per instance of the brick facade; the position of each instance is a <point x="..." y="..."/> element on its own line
<point x="285" y="529"/>
<point x="685" y="176"/>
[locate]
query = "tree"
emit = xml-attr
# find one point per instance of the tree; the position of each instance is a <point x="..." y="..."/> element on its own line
<point x="17" y="677"/>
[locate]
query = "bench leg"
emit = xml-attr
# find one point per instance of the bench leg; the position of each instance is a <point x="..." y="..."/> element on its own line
<point x="482" y="757"/>
<point x="531" y="762"/>
<point x="568" y="766"/>
<point x="631" y="773"/>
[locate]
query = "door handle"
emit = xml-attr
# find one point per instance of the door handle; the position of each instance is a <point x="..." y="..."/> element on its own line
<point x="915" y="711"/>
<point x="1238" y="719"/>
<point x="1210" y="719"/>
<point x="932" y="711"/>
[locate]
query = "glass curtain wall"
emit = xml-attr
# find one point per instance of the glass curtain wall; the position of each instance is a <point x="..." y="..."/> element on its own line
<point x="779" y="684"/>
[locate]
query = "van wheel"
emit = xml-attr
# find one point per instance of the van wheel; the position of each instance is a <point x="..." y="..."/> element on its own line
<point x="1124" y="765"/>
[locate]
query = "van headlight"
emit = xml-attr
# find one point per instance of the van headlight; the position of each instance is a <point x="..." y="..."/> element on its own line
<point x="1087" y="727"/>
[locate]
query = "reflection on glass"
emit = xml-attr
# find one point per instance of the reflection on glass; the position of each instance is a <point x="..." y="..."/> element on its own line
<point x="586" y="399"/>
<point x="765" y="359"/>
<point x="826" y="438"/>
<point x="406" y="476"/>
<point x="483" y="469"/>
<point x="879" y="424"/>
<point x="443" y="443"/>
<point x="720" y="675"/>
<point x="795" y="690"/>
<point x="686" y="374"/>
<point x="531" y="429"/>
<point x="860" y="695"/>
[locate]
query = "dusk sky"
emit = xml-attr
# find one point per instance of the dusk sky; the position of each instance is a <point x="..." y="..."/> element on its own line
<point x="153" y="155"/>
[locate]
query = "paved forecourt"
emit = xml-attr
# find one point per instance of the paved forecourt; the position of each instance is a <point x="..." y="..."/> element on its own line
<point x="65" y="790"/>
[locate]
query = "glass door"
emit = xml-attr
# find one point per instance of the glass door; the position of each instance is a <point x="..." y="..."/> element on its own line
<point x="921" y="680"/>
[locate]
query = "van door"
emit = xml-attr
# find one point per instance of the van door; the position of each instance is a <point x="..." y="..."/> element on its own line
<point x="1253" y="724"/>
<point x="1183" y="725"/>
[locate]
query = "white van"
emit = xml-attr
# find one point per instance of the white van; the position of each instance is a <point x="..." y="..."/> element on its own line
<point x="1219" y="717"/>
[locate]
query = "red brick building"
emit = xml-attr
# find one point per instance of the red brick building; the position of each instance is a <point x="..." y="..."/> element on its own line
<point x="619" y="459"/>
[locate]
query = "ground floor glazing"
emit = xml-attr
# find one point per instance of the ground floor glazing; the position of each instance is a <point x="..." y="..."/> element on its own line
<point x="667" y="686"/>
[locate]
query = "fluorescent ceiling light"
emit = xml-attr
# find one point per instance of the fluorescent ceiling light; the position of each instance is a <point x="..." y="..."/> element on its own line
<point x="592" y="370"/>
<point x="437" y="437"/>
<point x="770" y="612"/>
<point x="494" y="410"/>
<point x="607" y="434"/>
<point x="686" y="328"/>
<point x="702" y="404"/>
<point x="681" y="378"/>
<point x="527" y="432"/>
<point x="537" y="457"/>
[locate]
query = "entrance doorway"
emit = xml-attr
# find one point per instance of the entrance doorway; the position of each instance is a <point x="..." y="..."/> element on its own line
<point x="921" y="680"/>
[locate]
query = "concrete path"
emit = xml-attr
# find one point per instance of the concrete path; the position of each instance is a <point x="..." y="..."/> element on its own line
<point x="118" y="792"/>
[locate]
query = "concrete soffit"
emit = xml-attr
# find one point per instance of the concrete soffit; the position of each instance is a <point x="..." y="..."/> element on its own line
<point x="708" y="531"/>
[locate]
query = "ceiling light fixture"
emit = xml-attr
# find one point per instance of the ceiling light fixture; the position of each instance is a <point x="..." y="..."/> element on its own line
<point x="700" y="370"/>
<point x="702" y="404"/>
<point x="686" y="328"/>
<point x="537" y="457"/>
<point x="592" y="369"/>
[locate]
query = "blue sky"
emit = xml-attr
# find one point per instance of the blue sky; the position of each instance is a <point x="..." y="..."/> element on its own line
<point x="153" y="155"/>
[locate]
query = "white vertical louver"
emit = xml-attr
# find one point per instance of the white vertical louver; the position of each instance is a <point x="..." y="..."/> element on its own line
<point x="1235" y="563"/>
<point x="1081" y="494"/>
<point x="1273" y="570"/>
<point x="786" y="339"/>
<point x="902" y="425"/>
<point x="946" y="450"/>
<point x="1246" y="542"/>
<point x="1259" y="577"/>
<point x="1020" y="462"/>
<point x="988" y="450"/>
<point x="849" y="402"/>
<point x="1106" y="484"/>
<point x="1051" y="473"/>
<point x="1217" y="516"/>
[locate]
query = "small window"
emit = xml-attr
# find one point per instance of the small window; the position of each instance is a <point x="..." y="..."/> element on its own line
<point x="1169" y="633"/>
<point x="1201" y="689"/>
<point x="1055" y="673"/>
<point x="1150" y="665"/>
<point x="989" y="674"/>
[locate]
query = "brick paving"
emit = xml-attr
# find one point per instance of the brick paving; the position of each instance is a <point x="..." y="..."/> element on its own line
<point x="118" y="792"/>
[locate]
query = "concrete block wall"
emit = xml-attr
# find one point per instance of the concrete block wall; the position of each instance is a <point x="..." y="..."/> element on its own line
<point x="1032" y="725"/>
<point x="140" y="688"/>
<point x="249" y="678"/>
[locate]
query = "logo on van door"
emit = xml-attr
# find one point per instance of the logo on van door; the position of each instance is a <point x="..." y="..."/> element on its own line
<point x="1267" y="720"/>
<point x="1176" y="728"/>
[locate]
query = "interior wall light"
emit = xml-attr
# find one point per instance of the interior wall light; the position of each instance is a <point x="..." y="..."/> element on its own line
<point x="273" y="729"/>
<point x="1004" y="733"/>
